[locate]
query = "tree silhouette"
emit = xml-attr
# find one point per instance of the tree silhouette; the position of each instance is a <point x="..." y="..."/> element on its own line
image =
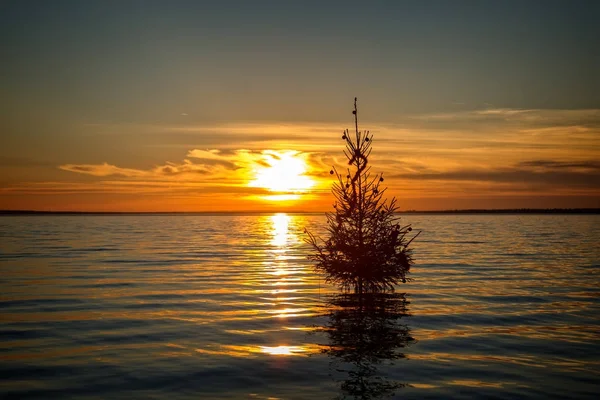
<point x="367" y="248"/>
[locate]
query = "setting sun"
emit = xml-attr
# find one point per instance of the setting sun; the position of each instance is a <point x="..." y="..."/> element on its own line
<point x="282" y="172"/>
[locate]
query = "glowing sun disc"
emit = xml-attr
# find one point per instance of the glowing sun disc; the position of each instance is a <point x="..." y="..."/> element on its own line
<point x="282" y="172"/>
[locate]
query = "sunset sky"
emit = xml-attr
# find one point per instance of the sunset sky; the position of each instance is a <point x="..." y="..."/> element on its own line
<point x="197" y="106"/>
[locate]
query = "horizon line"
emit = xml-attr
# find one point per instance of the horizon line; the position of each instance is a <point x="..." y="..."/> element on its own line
<point x="250" y="212"/>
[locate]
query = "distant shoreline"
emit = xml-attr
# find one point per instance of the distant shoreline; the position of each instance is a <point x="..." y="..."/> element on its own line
<point x="467" y="211"/>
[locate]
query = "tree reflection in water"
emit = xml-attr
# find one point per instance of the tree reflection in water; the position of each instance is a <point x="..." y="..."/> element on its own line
<point x="365" y="332"/>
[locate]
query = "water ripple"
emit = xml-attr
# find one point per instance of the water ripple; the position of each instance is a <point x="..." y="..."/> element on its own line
<point x="226" y="307"/>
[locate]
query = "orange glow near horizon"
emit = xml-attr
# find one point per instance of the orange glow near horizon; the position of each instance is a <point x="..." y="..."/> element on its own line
<point x="511" y="163"/>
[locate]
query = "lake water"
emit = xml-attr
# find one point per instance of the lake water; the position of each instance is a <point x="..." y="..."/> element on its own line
<point x="200" y="306"/>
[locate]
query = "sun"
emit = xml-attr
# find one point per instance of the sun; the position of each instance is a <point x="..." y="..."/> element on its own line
<point x="282" y="172"/>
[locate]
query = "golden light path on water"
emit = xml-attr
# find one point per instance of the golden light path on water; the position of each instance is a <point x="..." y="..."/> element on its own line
<point x="283" y="238"/>
<point x="281" y="232"/>
<point x="286" y="285"/>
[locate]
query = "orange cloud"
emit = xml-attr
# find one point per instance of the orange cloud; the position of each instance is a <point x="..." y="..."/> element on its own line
<point x="104" y="169"/>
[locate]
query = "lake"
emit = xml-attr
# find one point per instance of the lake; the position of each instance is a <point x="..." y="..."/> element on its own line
<point x="228" y="306"/>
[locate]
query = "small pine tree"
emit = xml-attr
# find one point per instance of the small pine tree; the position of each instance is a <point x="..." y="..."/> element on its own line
<point x="367" y="249"/>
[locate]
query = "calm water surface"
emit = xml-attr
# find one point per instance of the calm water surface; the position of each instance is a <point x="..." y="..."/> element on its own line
<point x="198" y="306"/>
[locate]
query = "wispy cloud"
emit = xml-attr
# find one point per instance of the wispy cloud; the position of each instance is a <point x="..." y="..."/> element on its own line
<point x="549" y="117"/>
<point x="553" y="165"/>
<point x="557" y="175"/>
<point x="104" y="169"/>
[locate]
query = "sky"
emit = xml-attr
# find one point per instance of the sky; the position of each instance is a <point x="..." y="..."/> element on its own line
<point x="186" y="105"/>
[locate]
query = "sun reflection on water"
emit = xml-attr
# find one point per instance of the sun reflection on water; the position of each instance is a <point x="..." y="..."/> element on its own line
<point x="284" y="350"/>
<point x="281" y="230"/>
<point x="244" y="351"/>
<point x="288" y="275"/>
<point x="283" y="282"/>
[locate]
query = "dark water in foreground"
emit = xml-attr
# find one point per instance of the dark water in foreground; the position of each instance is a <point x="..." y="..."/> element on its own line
<point x="196" y="307"/>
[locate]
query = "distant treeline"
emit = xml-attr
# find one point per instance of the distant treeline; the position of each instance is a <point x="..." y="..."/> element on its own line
<point x="471" y="211"/>
<point x="512" y="211"/>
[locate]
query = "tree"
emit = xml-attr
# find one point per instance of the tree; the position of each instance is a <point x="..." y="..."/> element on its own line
<point x="367" y="249"/>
